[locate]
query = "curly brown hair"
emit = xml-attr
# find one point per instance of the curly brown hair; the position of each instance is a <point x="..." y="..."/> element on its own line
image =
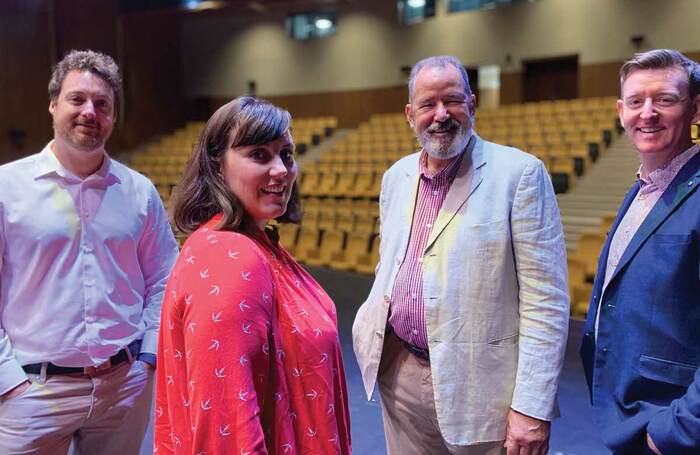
<point x="97" y="63"/>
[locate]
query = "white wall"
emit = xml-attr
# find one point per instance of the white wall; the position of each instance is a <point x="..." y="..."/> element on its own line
<point x="222" y="53"/>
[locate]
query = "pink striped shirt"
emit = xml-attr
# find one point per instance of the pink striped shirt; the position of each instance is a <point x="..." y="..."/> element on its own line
<point x="406" y="309"/>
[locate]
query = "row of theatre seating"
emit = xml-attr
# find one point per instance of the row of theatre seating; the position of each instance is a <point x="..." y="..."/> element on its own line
<point x="341" y="185"/>
<point x="583" y="264"/>
<point x="341" y="233"/>
<point x="567" y="135"/>
<point x="163" y="162"/>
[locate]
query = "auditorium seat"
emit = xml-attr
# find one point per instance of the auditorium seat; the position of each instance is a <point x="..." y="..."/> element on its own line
<point x="331" y="243"/>
<point x="355" y="246"/>
<point x="588" y="250"/>
<point x="307" y="241"/>
<point x="288" y="236"/>
<point x="366" y="263"/>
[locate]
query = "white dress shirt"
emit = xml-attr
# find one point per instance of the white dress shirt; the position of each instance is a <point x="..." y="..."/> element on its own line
<point x="83" y="264"/>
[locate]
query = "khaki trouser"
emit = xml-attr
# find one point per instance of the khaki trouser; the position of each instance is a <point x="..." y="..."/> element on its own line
<point x="408" y="407"/>
<point x="103" y="414"/>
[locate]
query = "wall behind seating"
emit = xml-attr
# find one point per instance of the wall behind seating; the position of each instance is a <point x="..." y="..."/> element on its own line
<point x="35" y="34"/>
<point x="221" y="53"/>
<point x="24" y="76"/>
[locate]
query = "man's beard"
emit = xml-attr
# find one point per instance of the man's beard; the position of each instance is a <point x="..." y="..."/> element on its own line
<point x="84" y="142"/>
<point x="444" y="148"/>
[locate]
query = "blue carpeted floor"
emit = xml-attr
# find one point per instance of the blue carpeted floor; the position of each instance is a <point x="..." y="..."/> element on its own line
<point x="572" y="434"/>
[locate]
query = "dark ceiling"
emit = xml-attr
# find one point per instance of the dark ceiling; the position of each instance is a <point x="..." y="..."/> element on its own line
<point x="244" y="6"/>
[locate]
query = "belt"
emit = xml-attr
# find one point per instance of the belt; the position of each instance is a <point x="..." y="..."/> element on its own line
<point x="124" y="355"/>
<point x="421" y="353"/>
<point x="418" y="352"/>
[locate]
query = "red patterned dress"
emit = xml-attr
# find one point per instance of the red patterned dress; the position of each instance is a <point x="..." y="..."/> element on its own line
<point x="249" y="360"/>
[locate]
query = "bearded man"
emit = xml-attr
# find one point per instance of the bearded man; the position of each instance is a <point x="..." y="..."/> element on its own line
<point x="466" y="324"/>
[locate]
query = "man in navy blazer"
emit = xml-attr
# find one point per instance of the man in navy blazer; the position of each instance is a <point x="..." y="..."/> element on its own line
<point x="641" y="343"/>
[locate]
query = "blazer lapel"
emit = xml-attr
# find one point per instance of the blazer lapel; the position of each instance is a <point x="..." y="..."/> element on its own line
<point x="410" y="178"/>
<point x="469" y="176"/>
<point x="603" y="261"/>
<point x="682" y="185"/>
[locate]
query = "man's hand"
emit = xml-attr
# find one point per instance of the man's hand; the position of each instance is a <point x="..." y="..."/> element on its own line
<point x="652" y="446"/>
<point x="526" y="435"/>
<point x="16" y="391"/>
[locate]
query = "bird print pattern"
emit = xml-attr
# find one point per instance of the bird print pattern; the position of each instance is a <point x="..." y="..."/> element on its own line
<point x="249" y="358"/>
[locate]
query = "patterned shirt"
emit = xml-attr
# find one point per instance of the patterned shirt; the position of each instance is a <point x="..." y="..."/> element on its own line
<point x="407" y="318"/>
<point x="249" y="356"/>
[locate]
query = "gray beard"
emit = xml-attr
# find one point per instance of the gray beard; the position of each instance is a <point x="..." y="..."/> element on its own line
<point x="443" y="150"/>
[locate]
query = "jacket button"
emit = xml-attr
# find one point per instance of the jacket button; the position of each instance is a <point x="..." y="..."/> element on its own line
<point x="387" y="299"/>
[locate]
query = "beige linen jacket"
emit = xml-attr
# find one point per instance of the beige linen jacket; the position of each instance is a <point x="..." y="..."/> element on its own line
<point x="494" y="289"/>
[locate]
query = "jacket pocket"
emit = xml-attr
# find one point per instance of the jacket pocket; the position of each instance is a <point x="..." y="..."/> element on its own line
<point x="504" y="341"/>
<point x="670" y="238"/>
<point x="681" y="374"/>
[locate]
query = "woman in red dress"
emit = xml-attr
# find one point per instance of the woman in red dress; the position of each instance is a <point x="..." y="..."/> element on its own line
<point x="249" y="356"/>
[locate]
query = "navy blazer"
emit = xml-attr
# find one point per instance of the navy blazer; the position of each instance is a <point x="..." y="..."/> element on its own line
<point x="643" y="369"/>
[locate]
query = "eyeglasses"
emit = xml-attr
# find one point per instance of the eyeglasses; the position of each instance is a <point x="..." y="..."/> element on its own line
<point x="659" y="101"/>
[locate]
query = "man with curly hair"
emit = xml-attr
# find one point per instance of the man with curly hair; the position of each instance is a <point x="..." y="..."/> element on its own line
<point x="85" y="251"/>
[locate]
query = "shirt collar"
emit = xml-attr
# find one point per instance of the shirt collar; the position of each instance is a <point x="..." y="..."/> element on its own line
<point x="47" y="164"/>
<point x="662" y="177"/>
<point x="448" y="172"/>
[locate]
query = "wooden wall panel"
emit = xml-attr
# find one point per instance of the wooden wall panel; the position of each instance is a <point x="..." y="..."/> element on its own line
<point x="550" y="78"/>
<point x="511" y="88"/>
<point x="351" y="107"/>
<point x="599" y="79"/>
<point x="85" y="24"/>
<point x="34" y="33"/>
<point x="150" y="63"/>
<point x="25" y="124"/>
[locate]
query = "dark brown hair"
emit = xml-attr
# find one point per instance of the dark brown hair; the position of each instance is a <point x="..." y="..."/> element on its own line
<point x="202" y="192"/>
<point x="660" y="59"/>
<point x="97" y="63"/>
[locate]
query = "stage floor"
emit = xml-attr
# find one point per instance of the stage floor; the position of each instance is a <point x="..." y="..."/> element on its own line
<point x="574" y="433"/>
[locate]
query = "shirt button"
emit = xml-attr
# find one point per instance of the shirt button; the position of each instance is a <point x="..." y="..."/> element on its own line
<point x="413" y="296"/>
<point x="414" y="331"/>
<point x="90" y="283"/>
<point x="435" y="192"/>
<point x="428" y="225"/>
<point x="87" y="249"/>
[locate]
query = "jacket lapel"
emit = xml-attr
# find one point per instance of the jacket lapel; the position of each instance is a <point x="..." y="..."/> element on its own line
<point x="469" y="176"/>
<point x="410" y="179"/>
<point x="682" y="185"/>
<point x="603" y="261"/>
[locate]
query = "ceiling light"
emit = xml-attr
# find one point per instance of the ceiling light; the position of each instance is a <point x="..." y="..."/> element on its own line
<point x="323" y="24"/>
<point x="416" y="3"/>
